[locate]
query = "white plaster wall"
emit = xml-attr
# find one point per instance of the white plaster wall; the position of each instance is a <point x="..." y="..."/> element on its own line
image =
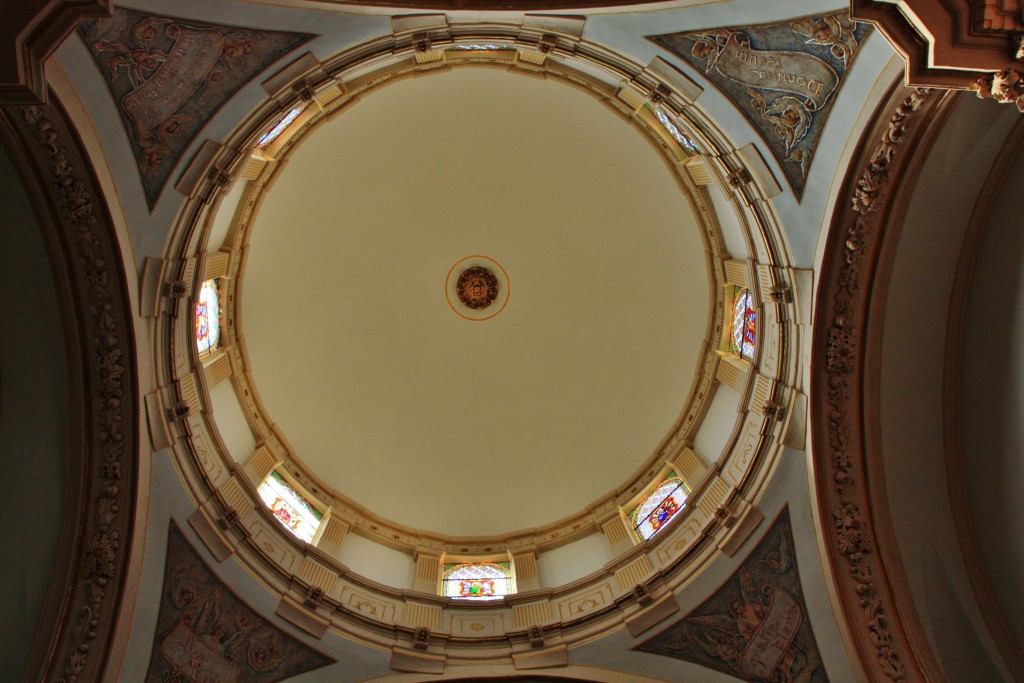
<point x="573" y="560"/>
<point x="231" y="423"/>
<point x="379" y="562"/>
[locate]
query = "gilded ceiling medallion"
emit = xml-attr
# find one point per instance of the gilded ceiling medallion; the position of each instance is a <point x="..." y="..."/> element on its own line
<point x="477" y="287"/>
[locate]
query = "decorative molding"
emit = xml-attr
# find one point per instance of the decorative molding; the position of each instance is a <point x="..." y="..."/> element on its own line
<point x="31" y="31"/>
<point x="69" y="201"/>
<point x="949" y="44"/>
<point x="864" y="592"/>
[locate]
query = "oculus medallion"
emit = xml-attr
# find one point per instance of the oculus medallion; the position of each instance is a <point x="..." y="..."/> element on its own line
<point x="477" y="287"/>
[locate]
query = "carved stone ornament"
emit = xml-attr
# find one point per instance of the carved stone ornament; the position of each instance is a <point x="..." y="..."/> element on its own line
<point x="477" y="287"/>
<point x="1004" y="86"/>
<point x="841" y="473"/>
<point x="85" y="237"/>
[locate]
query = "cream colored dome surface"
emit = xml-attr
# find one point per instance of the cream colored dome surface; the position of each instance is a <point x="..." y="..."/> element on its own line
<point x="397" y="402"/>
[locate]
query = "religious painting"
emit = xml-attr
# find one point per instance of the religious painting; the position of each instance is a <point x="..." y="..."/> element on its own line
<point x="754" y="627"/>
<point x="169" y="76"/>
<point x="206" y="633"/>
<point x="783" y="77"/>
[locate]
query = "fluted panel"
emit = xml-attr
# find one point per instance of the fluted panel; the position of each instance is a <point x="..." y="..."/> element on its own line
<point x="190" y="393"/>
<point x="531" y="614"/>
<point x="728" y="374"/>
<point x="315" y="574"/>
<point x="216" y="265"/>
<point x="697" y="167"/>
<point x="736" y="273"/>
<point x="418" y="614"/>
<point x="714" y="496"/>
<point x="334" y="531"/>
<point x="633" y="573"/>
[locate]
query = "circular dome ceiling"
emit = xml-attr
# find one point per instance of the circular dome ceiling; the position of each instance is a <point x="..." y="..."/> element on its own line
<point x="439" y="421"/>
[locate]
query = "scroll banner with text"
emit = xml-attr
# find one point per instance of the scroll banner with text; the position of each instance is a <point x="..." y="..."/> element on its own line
<point x="796" y="73"/>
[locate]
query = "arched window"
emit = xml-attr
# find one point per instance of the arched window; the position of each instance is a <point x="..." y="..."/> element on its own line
<point x="208" y="318"/>
<point x="654" y="513"/>
<point x="290" y="507"/>
<point x="476" y="580"/>
<point x="743" y="337"/>
<point x="280" y="126"/>
<point x="684" y="140"/>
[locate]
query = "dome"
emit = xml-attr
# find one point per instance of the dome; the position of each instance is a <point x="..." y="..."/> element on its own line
<point x="435" y="420"/>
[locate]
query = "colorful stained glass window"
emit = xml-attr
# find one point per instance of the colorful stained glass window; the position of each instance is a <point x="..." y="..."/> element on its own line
<point x="208" y="318"/>
<point x="476" y="580"/>
<point x="290" y="507"/>
<point x="743" y="337"/>
<point x="652" y="515"/>
<point x="480" y="47"/>
<point x="684" y="140"/>
<point x="279" y="128"/>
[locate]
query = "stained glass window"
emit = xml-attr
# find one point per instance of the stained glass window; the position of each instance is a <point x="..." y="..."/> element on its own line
<point x="743" y="338"/>
<point x="684" y="140"/>
<point x="476" y="580"/>
<point x="208" y="318"/>
<point x="290" y="507"/>
<point x="480" y="47"/>
<point x="654" y="513"/>
<point x="279" y="128"/>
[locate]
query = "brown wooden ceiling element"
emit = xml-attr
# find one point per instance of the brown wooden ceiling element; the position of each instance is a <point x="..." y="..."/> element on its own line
<point x="76" y="636"/>
<point x="888" y="641"/>
<point x="950" y="43"/>
<point x="30" y="32"/>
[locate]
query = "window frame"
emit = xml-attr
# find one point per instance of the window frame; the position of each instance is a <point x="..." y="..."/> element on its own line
<point x="650" y="493"/>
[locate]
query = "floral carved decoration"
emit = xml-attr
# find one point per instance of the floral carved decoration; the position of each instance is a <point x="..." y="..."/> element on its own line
<point x="1004" y="86"/>
<point x="85" y="238"/>
<point x="838" y="351"/>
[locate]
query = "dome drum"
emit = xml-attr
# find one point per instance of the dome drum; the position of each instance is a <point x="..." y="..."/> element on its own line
<point x="725" y="475"/>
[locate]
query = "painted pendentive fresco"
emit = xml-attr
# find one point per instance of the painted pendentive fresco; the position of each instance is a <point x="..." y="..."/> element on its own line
<point x="169" y="76"/>
<point x="783" y="77"/>
<point x="205" y="632"/>
<point x="755" y="626"/>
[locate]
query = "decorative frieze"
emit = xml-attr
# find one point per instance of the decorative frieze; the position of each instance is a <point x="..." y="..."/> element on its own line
<point x="837" y="356"/>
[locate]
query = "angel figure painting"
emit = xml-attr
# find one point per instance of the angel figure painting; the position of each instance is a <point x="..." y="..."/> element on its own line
<point x="784" y="77"/>
<point x="170" y="76"/>
<point x="755" y="627"/>
<point x="206" y="633"/>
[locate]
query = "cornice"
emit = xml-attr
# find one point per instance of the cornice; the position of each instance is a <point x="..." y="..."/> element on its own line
<point x="885" y="641"/>
<point x="72" y="210"/>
